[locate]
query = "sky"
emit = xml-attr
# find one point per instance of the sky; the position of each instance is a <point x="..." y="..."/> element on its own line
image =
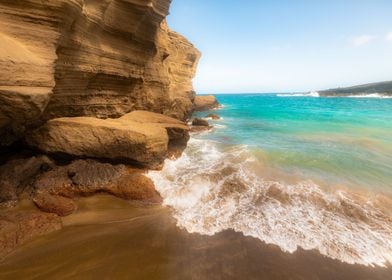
<point x="255" y="46"/>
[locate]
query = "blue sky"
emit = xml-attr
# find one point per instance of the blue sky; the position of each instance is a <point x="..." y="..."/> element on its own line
<point x="286" y="45"/>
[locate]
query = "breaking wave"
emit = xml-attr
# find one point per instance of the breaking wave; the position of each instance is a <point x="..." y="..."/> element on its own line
<point x="310" y="94"/>
<point x="211" y="190"/>
<point x="316" y="94"/>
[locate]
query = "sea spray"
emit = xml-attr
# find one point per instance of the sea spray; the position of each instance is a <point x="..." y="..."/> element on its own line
<point x="308" y="94"/>
<point x="316" y="94"/>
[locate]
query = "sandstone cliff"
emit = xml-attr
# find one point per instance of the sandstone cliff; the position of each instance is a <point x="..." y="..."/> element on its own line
<point x="97" y="58"/>
<point x="97" y="90"/>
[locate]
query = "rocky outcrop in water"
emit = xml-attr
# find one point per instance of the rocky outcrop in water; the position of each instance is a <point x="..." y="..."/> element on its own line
<point x="200" y="125"/>
<point x="97" y="58"/>
<point x="205" y="102"/>
<point x="200" y="122"/>
<point x="213" y="116"/>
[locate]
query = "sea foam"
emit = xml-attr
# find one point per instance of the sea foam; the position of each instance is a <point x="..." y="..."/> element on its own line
<point x="371" y="95"/>
<point x="210" y="191"/>
<point x="310" y="94"/>
<point x="316" y="94"/>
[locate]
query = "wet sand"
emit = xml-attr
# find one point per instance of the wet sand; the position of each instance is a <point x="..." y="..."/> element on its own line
<point x="112" y="239"/>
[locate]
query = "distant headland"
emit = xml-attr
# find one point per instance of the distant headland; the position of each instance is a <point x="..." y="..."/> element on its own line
<point x="380" y="88"/>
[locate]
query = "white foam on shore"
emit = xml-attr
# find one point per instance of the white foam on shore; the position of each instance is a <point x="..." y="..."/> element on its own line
<point x="316" y="94"/>
<point x="211" y="191"/>
<point x="371" y="95"/>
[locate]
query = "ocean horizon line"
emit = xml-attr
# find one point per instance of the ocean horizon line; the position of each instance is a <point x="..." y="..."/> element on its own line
<point x="252" y="93"/>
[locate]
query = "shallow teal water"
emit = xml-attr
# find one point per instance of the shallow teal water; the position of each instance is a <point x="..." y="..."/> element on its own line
<point x="334" y="141"/>
<point x="305" y="172"/>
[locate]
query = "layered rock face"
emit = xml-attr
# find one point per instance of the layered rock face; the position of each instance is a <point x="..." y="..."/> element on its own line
<point x="97" y="92"/>
<point x="99" y="58"/>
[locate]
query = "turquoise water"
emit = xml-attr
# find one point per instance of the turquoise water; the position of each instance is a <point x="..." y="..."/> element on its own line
<point x="333" y="140"/>
<point x="301" y="171"/>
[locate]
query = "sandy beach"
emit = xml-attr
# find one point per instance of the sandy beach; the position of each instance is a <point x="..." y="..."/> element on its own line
<point x="109" y="238"/>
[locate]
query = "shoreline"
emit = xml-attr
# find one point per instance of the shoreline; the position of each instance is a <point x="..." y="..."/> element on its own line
<point x="122" y="216"/>
<point x="218" y="191"/>
<point x="109" y="232"/>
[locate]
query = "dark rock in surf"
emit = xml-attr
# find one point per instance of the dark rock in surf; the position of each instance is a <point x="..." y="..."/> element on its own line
<point x="213" y="116"/>
<point x="200" y="122"/>
<point x="205" y="102"/>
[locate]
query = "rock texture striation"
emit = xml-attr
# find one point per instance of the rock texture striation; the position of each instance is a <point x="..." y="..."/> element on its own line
<point x="96" y="58"/>
<point x="213" y="116"/>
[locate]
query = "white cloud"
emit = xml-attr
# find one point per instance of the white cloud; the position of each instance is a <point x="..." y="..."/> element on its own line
<point x="389" y="37"/>
<point x="362" y="40"/>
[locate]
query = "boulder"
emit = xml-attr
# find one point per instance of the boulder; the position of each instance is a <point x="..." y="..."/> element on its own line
<point x="205" y="102"/>
<point x="200" y="122"/>
<point x="177" y="130"/>
<point x="17" y="228"/>
<point x="213" y="116"/>
<point x="115" y="139"/>
<point x="200" y="125"/>
<point x="60" y="205"/>
<point x="135" y="186"/>
<point x="56" y="189"/>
